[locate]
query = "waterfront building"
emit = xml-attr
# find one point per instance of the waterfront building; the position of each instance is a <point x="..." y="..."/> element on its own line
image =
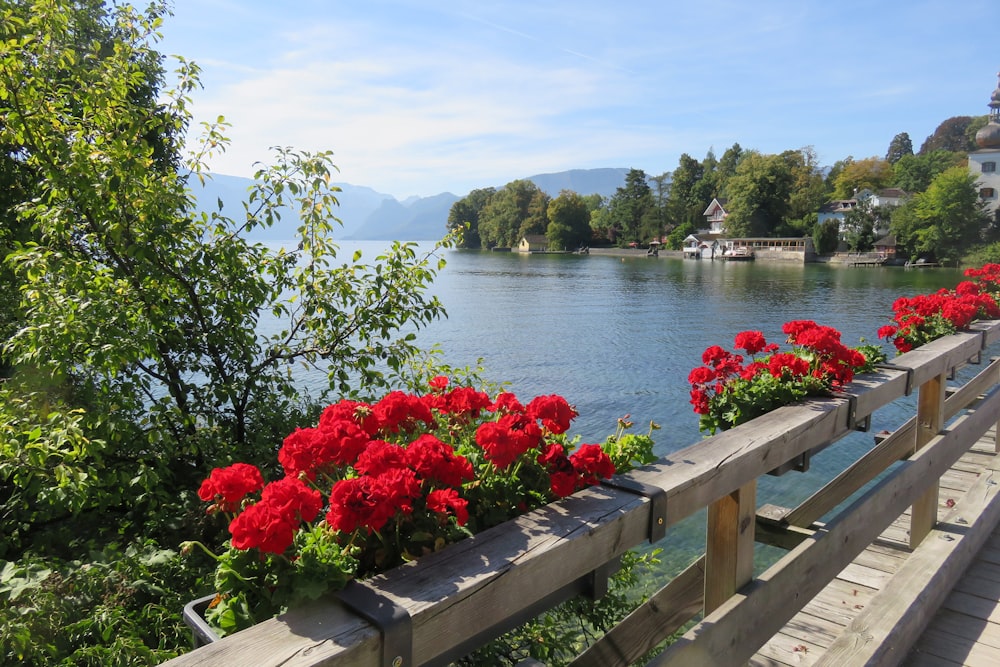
<point x="983" y="162"/>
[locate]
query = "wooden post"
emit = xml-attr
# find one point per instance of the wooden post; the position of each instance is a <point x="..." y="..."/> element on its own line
<point x="930" y="421"/>
<point x="996" y="427"/>
<point x="730" y="543"/>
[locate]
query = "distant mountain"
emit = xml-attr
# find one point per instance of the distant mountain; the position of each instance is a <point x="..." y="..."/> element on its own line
<point x="418" y="219"/>
<point x="370" y="215"/>
<point x="582" y="181"/>
<point x="356" y="204"/>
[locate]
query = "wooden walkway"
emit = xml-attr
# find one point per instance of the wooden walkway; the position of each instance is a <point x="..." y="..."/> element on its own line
<point x="966" y="629"/>
<point x="855" y="620"/>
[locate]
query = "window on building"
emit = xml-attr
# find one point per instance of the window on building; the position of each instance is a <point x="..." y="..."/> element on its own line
<point x="989" y="166"/>
<point x="987" y="193"/>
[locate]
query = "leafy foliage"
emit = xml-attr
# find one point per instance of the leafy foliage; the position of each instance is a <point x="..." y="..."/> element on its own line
<point x="944" y="221"/>
<point x="512" y="212"/>
<point x="869" y="174"/>
<point x="134" y="355"/>
<point x="146" y="311"/>
<point x="110" y="607"/>
<point x="899" y="147"/>
<point x="629" y="204"/>
<point x="826" y="236"/>
<point x="557" y="637"/>
<point x="569" y="221"/>
<point x="758" y="195"/>
<point x="950" y="135"/>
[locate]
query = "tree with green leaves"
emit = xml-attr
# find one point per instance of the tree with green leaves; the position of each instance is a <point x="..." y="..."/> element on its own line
<point x="463" y="218"/>
<point x="944" y="222"/>
<point x="141" y="315"/>
<point x="759" y="193"/>
<point x="726" y="168"/>
<point x="862" y="223"/>
<point x="656" y="222"/>
<point x="511" y="212"/>
<point x="686" y="203"/>
<point x="569" y="221"/>
<point x="630" y="203"/>
<point x="826" y="236"/>
<point x="899" y="147"/>
<point x="914" y="173"/>
<point x="807" y="193"/>
<point x="871" y="173"/>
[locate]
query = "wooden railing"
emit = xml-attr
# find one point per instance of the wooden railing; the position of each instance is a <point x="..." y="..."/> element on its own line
<point x="446" y="604"/>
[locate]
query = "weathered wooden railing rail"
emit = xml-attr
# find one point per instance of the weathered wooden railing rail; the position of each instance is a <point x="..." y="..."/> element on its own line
<point x="448" y="603"/>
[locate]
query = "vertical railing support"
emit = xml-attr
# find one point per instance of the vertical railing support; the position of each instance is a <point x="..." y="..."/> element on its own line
<point x="930" y="421"/>
<point x="996" y="427"/>
<point x="729" y="546"/>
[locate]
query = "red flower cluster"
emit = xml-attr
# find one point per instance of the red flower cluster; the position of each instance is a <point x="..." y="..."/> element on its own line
<point x="270" y="524"/>
<point x="226" y="488"/>
<point x="387" y="462"/>
<point x="727" y="391"/>
<point x="923" y="318"/>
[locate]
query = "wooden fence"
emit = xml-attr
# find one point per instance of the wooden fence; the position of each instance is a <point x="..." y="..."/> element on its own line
<point x="443" y="606"/>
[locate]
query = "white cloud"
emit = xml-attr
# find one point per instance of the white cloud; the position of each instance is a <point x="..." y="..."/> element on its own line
<point x="418" y="97"/>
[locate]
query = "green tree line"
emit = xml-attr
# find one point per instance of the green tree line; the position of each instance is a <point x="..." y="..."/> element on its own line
<point x="765" y="196"/>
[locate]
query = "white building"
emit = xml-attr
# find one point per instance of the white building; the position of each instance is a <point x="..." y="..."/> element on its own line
<point x="983" y="162"/>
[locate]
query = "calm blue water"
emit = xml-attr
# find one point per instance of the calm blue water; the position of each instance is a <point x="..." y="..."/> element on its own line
<point x="617" y="337"/>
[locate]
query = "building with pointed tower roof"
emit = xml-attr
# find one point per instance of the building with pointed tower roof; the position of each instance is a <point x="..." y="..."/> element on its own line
<point x="984" y="162"/>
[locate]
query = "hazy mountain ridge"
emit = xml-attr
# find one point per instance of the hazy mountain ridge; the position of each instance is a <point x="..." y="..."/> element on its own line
<point x="370" y="215"/>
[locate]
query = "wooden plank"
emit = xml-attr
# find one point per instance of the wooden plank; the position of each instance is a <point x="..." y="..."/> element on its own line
<point x="921" y="659"/>
<point x="947" y="646"/>
<point x="922" y="583"/>
<point x="783" y="649"/>
<point x="896" y="446"/>
<point x="973" y="605"/>
<point x="732" y="633"/>
<point x="967" y="627"/>
<point x="968" y="392"/>
<point x="729" y="544"/>
<point x="664" y="613"/>
<point x="930" y="421"/>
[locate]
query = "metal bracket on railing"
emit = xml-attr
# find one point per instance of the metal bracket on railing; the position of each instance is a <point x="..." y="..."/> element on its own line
<point x="908" y="371"/>
<point x="392" y="621"/>
<point x="657" y="503"/>
<point x="852" y="416"/>
<point x="978" y="359"/>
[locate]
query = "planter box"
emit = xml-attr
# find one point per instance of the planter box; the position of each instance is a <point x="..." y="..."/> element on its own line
<point x="194" y="617"/>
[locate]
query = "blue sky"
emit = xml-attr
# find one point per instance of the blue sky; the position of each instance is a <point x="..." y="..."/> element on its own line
<point x="418" y="98"/>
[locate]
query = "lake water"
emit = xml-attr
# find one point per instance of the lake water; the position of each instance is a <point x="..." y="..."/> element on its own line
<point x="618" y="336"/>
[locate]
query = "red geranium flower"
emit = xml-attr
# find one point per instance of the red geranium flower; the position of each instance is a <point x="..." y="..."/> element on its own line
<point x="227" y="487"/>
<point x="507" y="438"/>
<point x="445" y="501"/>
<point x="751" y="342"/>
<point x="553" y="411"/>
<point x="435" y="460"/>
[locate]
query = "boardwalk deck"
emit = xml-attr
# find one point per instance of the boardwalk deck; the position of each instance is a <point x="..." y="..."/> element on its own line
<point x="965" y="630"/>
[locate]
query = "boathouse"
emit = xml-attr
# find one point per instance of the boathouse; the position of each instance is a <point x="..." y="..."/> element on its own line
<point x="533" y="243"/>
